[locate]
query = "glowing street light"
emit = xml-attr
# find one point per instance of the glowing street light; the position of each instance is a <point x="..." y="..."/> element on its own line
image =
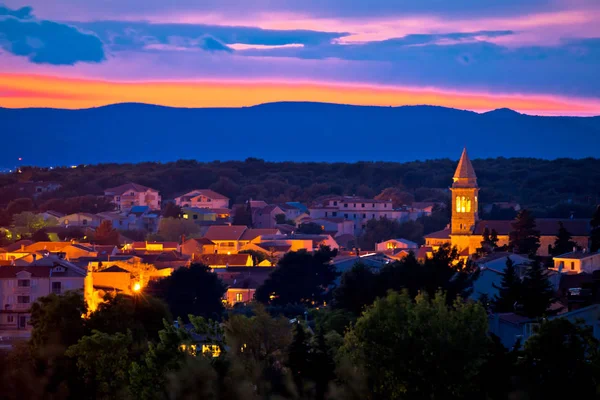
<point x="137" y="287"/>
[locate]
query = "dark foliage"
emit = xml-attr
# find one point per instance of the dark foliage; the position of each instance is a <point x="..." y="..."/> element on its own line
<point x="509" y="291"/>
<point x="194" y="290"/>
<point x="300" y="277"/>
<point x="309" y="228"/>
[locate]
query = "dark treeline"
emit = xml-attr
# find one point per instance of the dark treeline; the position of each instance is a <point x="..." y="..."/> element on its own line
<point x="545" y="186"/>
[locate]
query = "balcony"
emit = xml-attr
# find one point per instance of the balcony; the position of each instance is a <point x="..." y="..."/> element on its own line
<point x="22" y="290"/>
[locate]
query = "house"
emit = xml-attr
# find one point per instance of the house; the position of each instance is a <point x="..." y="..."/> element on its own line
<point x="199" y="215"/>
<point x="396" y="244"/>
<point x="359" y="210"/>
<point x="202" y="198"/>
<point x="21" y="286"/>
<point x="49" y="215"/>
<point x="118" y="220"/>
<point x="292" y="211"/>
<point x="144" y="218"/>
<point x="226" y="238"/>
<point x="197" y="246"/>
<point x="300" y="241"/>
<point x="149" y="247"/>
<point x="132" y="194"/>
<point x="242" y="283"/>
<point x="425" y="208"/>
<point x="231" y="239"/>
<point x="80" y="220"/>
<point x="335" y="226"/>
<point x="266" y="217"/>
<point x="510" y="327"/>
<point x="216" y="261"/>
<point x="577" y="262"/>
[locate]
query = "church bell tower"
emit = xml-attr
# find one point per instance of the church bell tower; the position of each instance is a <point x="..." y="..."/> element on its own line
<point x="464" y="201"/>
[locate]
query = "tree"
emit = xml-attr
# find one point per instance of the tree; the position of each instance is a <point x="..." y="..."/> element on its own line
<point x="398" y="197"/>
<point x="259" y="344"/>
<point x="561" y="351"/>
<point x="357" y="289"/>
<point x="257" y="256"/>
<point x="27" y="223"/>
<point x="242" y="215"/>
<point x="140" y="316"/>
<point x="321" y="365"/>
<point x="106" y="234"/>
<point x="309" y="228"/>
<point x="488" y="245"/>
<point x="40" y="236"/>
<point x="494" y="239"/>
<point x="595" y="232"/>
<point x="445" y="271"/>
<point x="57" y="320"/>
<point x="103" y="361"/>
<point x="509" y="291"/>
<point x="172" y="210"/>
<point x="524" y="237"/>
<point x="194" y="290"/>
<point x="537" y="292"/>
<point x="20" y="205"/>
<point x="5" y="218"/>
<point x="173" y="229"/>
<point x="563" y="242"/>
<point x="300" y="277"/>
<point x="430" y="336"/>
<point x="298" y="357"/>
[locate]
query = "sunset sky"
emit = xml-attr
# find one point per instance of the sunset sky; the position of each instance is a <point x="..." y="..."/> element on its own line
<point x="535" y="56"/>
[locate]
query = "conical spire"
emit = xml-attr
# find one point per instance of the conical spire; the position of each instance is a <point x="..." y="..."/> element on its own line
<point x="464" y="171"/>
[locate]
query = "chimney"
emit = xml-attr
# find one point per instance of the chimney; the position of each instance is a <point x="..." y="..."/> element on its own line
<point x="23" y="247"/>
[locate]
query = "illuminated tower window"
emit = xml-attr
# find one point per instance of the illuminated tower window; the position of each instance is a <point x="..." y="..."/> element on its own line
<point x="457" y="203"/>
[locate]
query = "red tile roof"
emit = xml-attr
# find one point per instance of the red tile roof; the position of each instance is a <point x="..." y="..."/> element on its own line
<point x="143" y="245"/>
<point x="204" y="192"/>
<point x="251" y="234"/>
<point x="49" y="246"/>
<point x="17" y="245"/>
<point x="8" y="272"/>
<point x="546" y="226"/>
<point x="128" y="187"/>
<point x="224" y="232"/>
<point x="225" y="259"/>
<point x="443" y="234"/>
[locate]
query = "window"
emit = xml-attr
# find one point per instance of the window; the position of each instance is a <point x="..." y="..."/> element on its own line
<point x="346" y="216"/>
<point x="24" y="283"/>
<point x="208" y="200"/>
<point x="335" y="203"/>
<point x="373" y="217"/>
<point x="195" y="216"/>
<point x="364" y="215"/>
<point x="325" y="213"/>
<point x="354" y="205"/>
<point x="56" y="287"/>
<point x="132" y="194"/>
<point x="346" y="205"/>
<point x="373" y="205"/>
<point x="84" y="222"/>
<point x="10" y="319"/>
<point x="572" y="265"/>
<point x="334" y="214"/>
<point x="23" y="299"/>
<point x="363" y="205"/>
<point x="239" y="297"/>
<point x="118" y="198"/>
<point x="457" y="204"/>
<point x="384" y="205"/>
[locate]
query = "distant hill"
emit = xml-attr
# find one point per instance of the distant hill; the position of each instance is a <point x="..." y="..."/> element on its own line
<point x="286" y="131"/>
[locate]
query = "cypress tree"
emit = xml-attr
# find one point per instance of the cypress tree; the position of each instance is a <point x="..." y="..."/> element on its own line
<point x="524" y="237"/>
<point x="509" y="291"/>
<point x="595" y="233"/>
<point x="298" y="357"/>
<point x="537" y="293"/>
<point x="563" y="242"/>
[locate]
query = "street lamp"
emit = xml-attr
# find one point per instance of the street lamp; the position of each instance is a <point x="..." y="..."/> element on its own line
<point x="137" y="287"/>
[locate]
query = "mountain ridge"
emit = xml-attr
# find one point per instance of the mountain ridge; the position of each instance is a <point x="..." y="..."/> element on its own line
<point x="290" y="131"/>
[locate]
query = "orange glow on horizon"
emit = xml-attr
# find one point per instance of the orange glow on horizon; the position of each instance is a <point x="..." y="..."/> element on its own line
<point x="22" y="91"/>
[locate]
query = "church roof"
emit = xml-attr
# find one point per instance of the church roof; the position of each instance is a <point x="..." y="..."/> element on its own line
<point x="464" y="170"/>
<point x="546" y="226"/>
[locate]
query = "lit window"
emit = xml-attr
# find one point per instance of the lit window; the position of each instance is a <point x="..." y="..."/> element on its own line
<point x="391" y="245"/>
<point x="457" y="203"/>
<point x="239" y="297"/>
<point x="572" y="265"/>
<point x="185" y="216"/>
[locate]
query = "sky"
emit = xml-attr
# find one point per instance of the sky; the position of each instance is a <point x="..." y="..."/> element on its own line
<point x="534" y="56"/>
